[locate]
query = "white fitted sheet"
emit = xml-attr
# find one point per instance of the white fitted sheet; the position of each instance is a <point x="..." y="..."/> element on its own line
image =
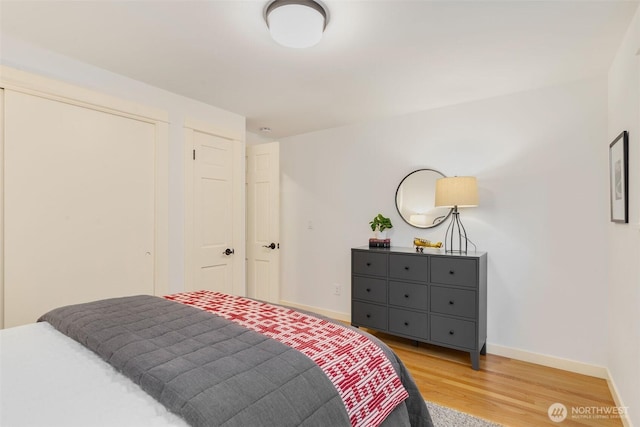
<point x="50" y="380"/>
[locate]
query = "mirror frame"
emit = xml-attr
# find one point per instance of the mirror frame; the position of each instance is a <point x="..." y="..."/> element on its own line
<point x="398" y="208"/>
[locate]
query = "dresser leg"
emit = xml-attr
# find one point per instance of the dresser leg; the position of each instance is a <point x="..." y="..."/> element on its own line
<point x="475" y="360"/>
<point x="484" y="349"/>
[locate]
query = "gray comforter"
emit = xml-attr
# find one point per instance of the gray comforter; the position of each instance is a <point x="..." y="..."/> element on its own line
<point x="213" y="372"/>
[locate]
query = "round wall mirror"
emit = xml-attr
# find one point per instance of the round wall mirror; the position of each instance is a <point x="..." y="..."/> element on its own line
<point x="415" y="199"/>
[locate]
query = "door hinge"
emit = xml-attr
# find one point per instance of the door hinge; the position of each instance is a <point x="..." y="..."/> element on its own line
<point x="194" y="154"/>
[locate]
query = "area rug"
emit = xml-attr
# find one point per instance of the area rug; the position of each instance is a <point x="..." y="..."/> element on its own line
<point x="447" y="417"/>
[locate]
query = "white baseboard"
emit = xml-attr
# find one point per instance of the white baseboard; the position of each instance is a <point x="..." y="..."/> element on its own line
<point x="626" y="422"/>
<point x="550" y="361"/>
<point x="566" y="365"/>
<point x="345" y="317"/>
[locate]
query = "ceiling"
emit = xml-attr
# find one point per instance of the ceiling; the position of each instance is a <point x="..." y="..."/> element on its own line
<point x="376" y="59"/>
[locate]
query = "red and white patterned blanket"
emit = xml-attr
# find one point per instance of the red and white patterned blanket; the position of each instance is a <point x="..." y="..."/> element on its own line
<point x="363" y="376"/>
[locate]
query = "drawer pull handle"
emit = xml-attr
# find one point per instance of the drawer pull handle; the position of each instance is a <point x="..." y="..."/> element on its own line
<point x="451" y="272"/>
<point x="407" y="268"/>
<point x="368" y="264"/>
<point x="406" y="323"/>
<point x="368" y="316"/>
<point x="406" y="295"/>
<point x="450" y="302"/>
<point x="368" y="289"/>
<point x="450" y="332"/>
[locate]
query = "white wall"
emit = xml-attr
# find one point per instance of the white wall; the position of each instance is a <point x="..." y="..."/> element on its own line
<point x="24" y="56"/>
<point x="624" y="239"/>
<point x="541" y="162"/>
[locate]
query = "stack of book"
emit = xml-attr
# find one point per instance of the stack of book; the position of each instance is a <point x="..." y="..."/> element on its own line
<point x="379" y="243"/>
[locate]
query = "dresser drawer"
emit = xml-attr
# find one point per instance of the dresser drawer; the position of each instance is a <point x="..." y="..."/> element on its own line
<point x="455" y="332"/>
<point x="364" y="314"/>
<point x="408" y="323"/>
<point x="410" y="295"/>
<point x="454" y="271"/>
<point x="370" y="289"/>
<point x="371" y="263"/>
<point x="409" y="267"/>
<point x="457" y="302"/>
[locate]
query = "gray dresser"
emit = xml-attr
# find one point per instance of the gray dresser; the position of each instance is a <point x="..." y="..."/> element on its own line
<point x="431" y="297"/>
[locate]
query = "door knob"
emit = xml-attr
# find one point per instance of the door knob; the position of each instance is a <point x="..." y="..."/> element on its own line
<point x="228" y="251"/>
<point x="271" y="246"/>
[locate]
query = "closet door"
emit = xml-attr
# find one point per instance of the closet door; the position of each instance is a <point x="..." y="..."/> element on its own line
<point x="79" y="205"/>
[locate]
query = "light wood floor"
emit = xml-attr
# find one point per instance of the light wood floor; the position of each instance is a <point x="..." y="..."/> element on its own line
<point x="505" y="391"/>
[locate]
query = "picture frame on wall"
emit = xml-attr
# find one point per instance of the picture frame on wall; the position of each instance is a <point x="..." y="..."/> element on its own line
<point x="619" y="178"/>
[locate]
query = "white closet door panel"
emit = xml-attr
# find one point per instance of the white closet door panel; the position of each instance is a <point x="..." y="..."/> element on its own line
<point x="79" y="206"/>
<point x="1" y="208"/>
<point x="263" y="221"/>
<point x="213" y="210"/>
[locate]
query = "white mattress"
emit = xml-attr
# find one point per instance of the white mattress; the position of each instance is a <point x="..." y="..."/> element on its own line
<point x="48" y="379"/>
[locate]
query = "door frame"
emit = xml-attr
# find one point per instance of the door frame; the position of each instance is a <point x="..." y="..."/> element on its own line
<point x="238" y="208"/>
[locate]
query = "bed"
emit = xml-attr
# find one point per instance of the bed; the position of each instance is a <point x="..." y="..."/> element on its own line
<point x="201" y="359"/>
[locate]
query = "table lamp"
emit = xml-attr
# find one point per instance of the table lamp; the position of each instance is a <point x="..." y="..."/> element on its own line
<point x="456" y="192"/>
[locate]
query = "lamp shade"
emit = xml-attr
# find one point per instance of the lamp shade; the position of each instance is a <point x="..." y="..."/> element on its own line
<point x="460" y="191"/>
<point x="296" y="23"/>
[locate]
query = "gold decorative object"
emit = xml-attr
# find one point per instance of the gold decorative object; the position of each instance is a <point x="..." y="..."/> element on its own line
<point x="418" y="242"/>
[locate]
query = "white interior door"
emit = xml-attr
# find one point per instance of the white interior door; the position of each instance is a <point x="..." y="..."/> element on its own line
<point x="78" y="205"/>
<point x="263" y="221"/>
<point x="2" y="208"/>
<point x="213" y="255"/>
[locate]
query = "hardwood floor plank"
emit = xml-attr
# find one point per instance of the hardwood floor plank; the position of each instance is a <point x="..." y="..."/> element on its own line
<point x="505" y="391"/>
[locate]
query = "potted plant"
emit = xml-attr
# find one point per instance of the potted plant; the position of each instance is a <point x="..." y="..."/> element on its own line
<point x="379" y="225"/>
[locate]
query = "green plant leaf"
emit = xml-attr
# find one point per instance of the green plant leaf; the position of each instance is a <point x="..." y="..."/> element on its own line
<point x="380" y="222"/>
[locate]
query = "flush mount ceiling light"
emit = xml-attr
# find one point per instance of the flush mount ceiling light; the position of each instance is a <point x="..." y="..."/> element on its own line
<point x="296" y="23"/>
